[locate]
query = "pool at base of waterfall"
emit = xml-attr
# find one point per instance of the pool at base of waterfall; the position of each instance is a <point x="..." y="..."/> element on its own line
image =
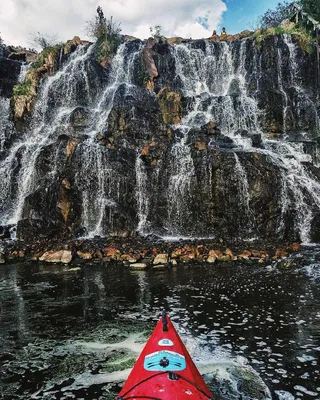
<point x="74" y="333"/>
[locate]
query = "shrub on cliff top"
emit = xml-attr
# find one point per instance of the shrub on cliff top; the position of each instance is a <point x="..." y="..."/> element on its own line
<point x="42" y="40"/>
<point x="102" y="28"/>
<point x="303" y="37"/>
<point x="107" y="33"/>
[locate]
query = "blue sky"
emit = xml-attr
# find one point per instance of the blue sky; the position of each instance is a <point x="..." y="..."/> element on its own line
<point x="185" y="18"/>
<point x="242" y="14"/>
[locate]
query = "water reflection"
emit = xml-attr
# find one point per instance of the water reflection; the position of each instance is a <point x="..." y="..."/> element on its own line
<point x="267" y="318"/>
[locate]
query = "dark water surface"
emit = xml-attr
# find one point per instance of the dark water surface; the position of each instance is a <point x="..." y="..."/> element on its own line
<point x="59" y="327"/>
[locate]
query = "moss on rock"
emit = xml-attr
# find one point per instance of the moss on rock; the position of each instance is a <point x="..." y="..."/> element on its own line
<point x="170" y="106"/>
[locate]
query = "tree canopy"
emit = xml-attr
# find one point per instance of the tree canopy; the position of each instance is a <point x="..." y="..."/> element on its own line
<point x="312" y="7"/>
<point x="102" y="28"/>
<point x="273" y="18"/>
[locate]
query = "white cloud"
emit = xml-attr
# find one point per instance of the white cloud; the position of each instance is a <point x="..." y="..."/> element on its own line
<point x="67" y="18"/>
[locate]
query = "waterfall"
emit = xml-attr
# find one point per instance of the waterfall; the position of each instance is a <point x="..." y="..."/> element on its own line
<point x="181" y="171"/>
<point x="213" y="78"/>
<point x="5" y="124"/>
<point x="300" y="191"/>
<point x="46" y="125"/>
<point x="23" y="71"/>
<point x="142" y="196"/>
<point x="304" y="100"/>
<point x="243" y="185"/>
<point x="181" y="190"/>
<point x="216" y="79"/>
<point x="280" y="85"/>
<point x="97" y="178"/>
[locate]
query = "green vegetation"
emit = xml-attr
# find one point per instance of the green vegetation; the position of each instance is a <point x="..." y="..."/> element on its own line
<point x="312" y="7"/>
<point x="44" y="54"/>
<point x="273" y="18"/>
<point x="304" y="37"/>
<point x="107" y="34"/>
<point x="22" y="89"/>
<point x="277" y="22"/>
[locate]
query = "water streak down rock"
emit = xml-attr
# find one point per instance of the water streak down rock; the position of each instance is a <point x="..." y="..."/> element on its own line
<point x="225" y="144"/>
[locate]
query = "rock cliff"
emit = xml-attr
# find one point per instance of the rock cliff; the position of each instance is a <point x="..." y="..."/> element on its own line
<point x="177" y="138"/>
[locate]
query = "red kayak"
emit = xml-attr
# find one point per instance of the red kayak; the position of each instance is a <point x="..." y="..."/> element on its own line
<point x="164" y="370"/>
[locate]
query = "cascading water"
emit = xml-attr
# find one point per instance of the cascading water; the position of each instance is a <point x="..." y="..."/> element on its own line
<point x="5" y="121"/>
<point x="99" y="182"/>
<point x="216" y="80"/>
<point x="244" y="193"/>
<point x="221" y="82"/>
<point x="142" y="196"/>
<point x="47" y="123"/>
<point x="96" y="179"/>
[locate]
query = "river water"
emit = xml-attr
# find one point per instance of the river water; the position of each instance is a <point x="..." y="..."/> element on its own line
<point x="67" y="332"/>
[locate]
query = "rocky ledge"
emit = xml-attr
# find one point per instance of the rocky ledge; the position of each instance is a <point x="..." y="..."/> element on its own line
<point x="143" y="254"/>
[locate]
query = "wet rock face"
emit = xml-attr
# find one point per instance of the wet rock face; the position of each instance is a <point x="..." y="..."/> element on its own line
<point x="156" y="140"/>
<point x="9" y="73"/>
<point x="215" y="199"/>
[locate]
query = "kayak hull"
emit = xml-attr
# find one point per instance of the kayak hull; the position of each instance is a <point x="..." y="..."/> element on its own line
<point x="165" y="370"/>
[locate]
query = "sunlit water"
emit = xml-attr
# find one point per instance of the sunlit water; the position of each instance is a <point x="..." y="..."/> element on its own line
<point x="261" y="322"/>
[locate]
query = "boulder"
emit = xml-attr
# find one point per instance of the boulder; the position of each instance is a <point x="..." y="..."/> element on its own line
<point x="161" y="259"/>
<point x="174" y="263"/>
<point x="245" y="255"/>
<point x="57" y="256"/>
<point x="295" y="247"/>
<point x="5" y="231"/>
<point x="256" y="253"/>
<point x="85" y="255"/>
<point x="216" y="253"/>
<point x="22" y="105"/>
<point x="71" y="146"/>
<point x="280" y="254"/>
<point x="256" y="140"/>
<point x="131" y="258"/>
<point x="211" y="259"/>
<point x="19" y="56"/>
<point x="111" y="252"/>
<point x="229" y="253"/>
<point x="211" y="129"/>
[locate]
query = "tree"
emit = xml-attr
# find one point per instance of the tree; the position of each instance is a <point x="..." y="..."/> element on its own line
<point x="273" y="18"/>
<point x="155" y="30"/>
<point x="312" y="7"/>
<point x="107" y="33"/>
<point x="42" y="40"/>
<point x="102" y="28"/>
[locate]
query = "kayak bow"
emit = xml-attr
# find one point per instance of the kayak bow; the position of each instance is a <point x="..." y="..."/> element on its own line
<point x="165" y="370"/>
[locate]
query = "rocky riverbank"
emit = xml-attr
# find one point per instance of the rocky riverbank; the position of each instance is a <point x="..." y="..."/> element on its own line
<point x="140" y="253"/>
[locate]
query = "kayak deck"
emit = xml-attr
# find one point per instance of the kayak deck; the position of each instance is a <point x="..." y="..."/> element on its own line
<point x="165" y="370"/>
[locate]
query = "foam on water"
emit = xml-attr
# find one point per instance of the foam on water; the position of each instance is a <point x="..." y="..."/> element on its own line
<point x="312" y="270"/>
